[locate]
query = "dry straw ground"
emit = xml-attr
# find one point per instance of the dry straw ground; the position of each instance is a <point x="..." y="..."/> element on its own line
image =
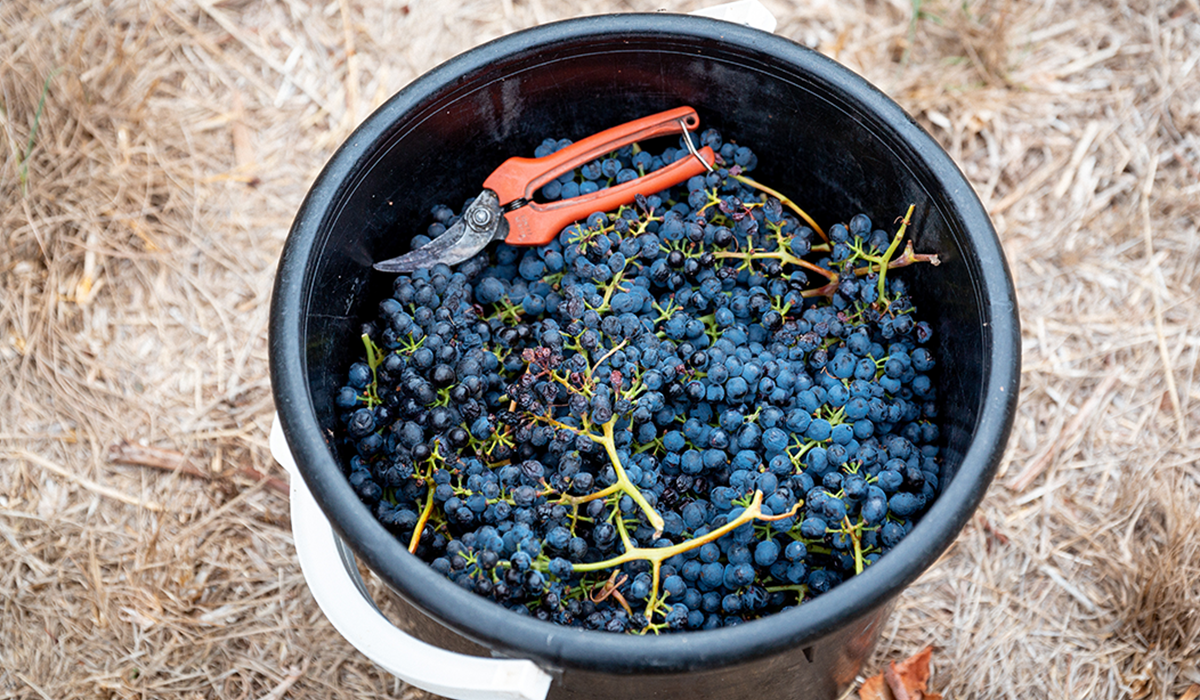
<point x="152" y="154"/>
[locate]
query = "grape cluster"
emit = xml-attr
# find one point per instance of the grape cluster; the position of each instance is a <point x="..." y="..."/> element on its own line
<point x="684" y="414"/>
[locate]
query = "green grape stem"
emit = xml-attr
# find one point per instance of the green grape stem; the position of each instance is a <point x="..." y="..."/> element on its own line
<point x="425" y="513"/>
<point x="854" y="532"/>
<point x="783" y="257"/>
<point x="430" y="486"/>
<point x="907" y="257"/>
<point x="613" y="285"/>
<point x="783" y="200"/>
<point x="887" y="255"/>
<point x="657" y="555"/>
<point x="374" y="359"/>
<point x="607" y="355"/>
<point x="608" y="440"/>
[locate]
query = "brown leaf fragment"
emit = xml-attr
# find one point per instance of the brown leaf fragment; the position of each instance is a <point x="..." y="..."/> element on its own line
<point x="906" y="680"/>
<point x="1191" y="693"/>
<point x="913" y="672"/>
<point x="895" y="683"/>
<point x="874" y="688"/>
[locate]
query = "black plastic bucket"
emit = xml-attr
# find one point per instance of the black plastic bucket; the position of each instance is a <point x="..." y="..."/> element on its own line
<point x="824" y="136"/>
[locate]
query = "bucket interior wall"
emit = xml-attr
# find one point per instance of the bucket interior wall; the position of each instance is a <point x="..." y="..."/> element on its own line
<point x="835" y="146"/>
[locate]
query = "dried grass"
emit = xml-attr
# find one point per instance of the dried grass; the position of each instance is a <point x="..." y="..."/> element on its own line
<point x="176" y="140"/>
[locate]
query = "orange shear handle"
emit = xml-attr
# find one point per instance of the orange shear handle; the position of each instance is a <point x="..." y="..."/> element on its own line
<point x="538" y="224"/>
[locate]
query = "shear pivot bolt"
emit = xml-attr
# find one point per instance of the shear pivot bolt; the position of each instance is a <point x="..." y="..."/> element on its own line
<point x="481" y="218"/>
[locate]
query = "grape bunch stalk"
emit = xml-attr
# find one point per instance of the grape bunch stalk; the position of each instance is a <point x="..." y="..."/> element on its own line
<point x="684" y="414"/>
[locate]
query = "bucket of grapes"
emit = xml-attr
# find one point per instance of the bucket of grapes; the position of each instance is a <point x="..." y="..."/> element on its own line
<point x="692" y="443"/>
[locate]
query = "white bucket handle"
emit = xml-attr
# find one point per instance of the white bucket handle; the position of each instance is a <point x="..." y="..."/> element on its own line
<point x="326" y="564"/>
<point x="751" y="13"/>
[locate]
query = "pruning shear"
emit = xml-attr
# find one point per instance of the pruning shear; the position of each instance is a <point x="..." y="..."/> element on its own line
<point x="504" y="210"/>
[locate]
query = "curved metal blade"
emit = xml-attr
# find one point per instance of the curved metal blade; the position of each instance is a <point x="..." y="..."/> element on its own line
<point x="481" y="223"/>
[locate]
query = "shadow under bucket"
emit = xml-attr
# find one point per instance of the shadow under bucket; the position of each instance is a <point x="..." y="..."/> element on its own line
<point x="824" y="136"/>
